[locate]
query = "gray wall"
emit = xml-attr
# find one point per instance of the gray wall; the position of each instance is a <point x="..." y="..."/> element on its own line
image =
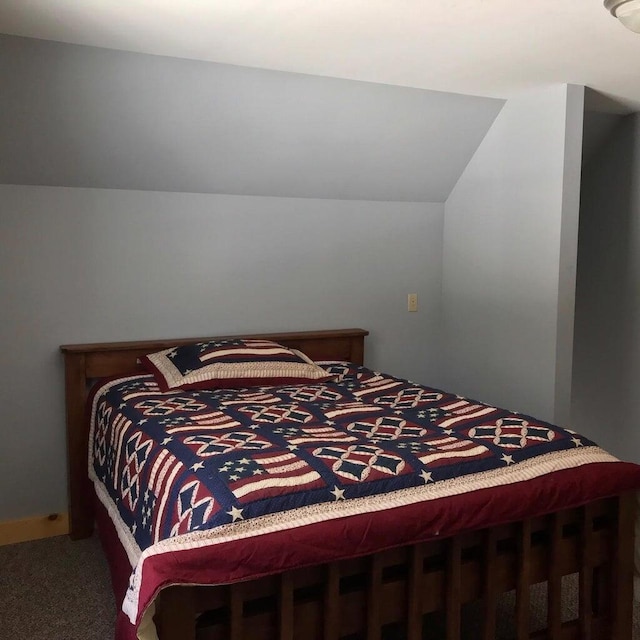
<point x="114" y="224"/>
<point x="86" y="117"/>
<point x="606" y="373"/>
<point x="91" y="265"/>
<point x="597" y="130"/>
<point x="509" y="258"/>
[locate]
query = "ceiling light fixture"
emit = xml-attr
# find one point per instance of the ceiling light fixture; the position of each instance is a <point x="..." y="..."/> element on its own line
<point x="627" y="11"/>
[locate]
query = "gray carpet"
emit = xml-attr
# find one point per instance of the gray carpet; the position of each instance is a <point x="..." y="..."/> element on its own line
<point x="55" y="589"/>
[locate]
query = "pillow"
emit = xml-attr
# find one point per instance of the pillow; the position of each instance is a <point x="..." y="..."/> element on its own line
<point x="231" y="364"/>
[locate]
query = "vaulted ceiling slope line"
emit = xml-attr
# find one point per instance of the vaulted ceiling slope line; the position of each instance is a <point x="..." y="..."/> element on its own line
<point x="80" y="116"/>
<point x="493" y="48"/>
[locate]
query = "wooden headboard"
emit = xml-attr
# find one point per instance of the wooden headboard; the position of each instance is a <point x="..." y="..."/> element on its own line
<point x="84" y="363"/>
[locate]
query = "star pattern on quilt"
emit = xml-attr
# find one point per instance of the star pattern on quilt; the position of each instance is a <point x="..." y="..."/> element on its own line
<point x="148" y="506"/>
<point x="236" y="514"/>
<point x="415" y="446"/>
<point x="267" y="474"/>
<point x="109" y="466"/>
<point x="434" y="413"/>
<point x="235" y="470"/>
<point x="426" y="476"/>
<point x="137" y="386"/>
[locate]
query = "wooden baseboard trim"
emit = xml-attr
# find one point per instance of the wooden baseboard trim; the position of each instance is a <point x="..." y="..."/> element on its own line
<point x="13" y="531"/>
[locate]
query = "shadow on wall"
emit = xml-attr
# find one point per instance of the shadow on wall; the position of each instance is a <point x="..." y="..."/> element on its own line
<point x="606" y="369"/>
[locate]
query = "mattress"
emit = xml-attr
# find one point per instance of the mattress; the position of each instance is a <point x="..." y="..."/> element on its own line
<point x="217" y="486"/>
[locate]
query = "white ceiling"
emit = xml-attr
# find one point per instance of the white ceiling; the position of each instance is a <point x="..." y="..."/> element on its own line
<point x="481" y="47"/>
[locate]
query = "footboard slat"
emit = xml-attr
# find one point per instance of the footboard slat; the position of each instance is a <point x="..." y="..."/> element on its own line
<point x="415" y="587"/>
<point x="453" y="584"/>
<point x="285" y="611"/>
<point x="523" y="581"/>
<point x="236" y="607"/>
<point x="622" y="569"/>
<point x="332" y="602"/>
<point x="554" y="584"/>
<point x="585" y="589"/>
<point x="374" y="598"/>
<point x="490" y="584"/>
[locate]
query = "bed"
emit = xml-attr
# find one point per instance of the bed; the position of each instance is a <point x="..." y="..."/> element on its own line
<point x="360" y="564"/>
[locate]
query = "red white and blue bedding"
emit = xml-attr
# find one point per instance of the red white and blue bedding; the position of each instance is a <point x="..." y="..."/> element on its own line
<point x="215" y="486"/>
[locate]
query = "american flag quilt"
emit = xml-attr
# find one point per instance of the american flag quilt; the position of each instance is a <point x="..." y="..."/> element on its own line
<point x="205" y="471"/>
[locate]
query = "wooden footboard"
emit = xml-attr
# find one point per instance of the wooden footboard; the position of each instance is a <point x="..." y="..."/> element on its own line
<point x="421" y="591"/>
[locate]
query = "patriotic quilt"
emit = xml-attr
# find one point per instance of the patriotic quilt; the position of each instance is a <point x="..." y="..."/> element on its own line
<point x="197" y="474"/>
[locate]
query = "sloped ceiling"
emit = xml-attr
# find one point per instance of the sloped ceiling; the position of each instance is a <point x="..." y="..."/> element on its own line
<point x="478" y="47"/>
<point x="79" y="116"/>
